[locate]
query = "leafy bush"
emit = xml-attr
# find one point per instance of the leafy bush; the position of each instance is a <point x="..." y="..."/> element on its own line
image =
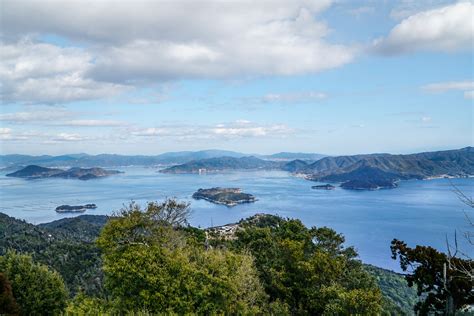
<point x="37" y="289"/>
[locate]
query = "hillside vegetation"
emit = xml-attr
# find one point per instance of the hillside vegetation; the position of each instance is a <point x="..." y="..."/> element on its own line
<point x="272" y="265"/>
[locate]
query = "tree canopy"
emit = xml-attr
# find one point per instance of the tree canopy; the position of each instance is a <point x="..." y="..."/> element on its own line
<point x="308" y="269"/>
<point x="442" y="285"/>
<point x="36" y="289"/>
<point x="149" y="264"/>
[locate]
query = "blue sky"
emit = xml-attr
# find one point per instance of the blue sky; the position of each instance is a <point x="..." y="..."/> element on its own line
<point x="146" y="77"/>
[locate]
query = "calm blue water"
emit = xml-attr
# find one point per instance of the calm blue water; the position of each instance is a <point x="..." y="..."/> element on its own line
<point x="418" y="212"/>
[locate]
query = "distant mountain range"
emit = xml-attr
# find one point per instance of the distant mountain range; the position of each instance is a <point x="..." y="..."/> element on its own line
<point x="37" y="172"/>
<point x="372" y="171"/>
<point x="13" y="162"/>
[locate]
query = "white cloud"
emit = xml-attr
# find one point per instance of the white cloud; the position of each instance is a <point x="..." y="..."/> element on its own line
<point x="7" y="134"/>
<point x="168" y="21"/>
<point x="46" y="114"/>
<point x="296" y="97"/>
<point x="360" y="11"/>
<point x="237" y="129"/>
<point x="92" y="123"/>
<point x="405" y="8"/>
<point x="149" y="41"/>
<point x="469" y="94"/>
<point x="441" y="87"/>
<point x="43" y="73"/>
<point x="5" y="131"/>
<point x="445" y="29"/>
<point x="447" y="86"/>
<point x="68" y="137"/>
<point x="248" y="130"/>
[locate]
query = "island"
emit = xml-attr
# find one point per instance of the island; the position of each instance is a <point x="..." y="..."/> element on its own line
<point x="323" y="187"/>
<point x="375" y="184"/>
<point x="223" y="164"/>
<point x="226" y="196"/>
<point x="75" y="208"/>
<point x="38" y="172"/>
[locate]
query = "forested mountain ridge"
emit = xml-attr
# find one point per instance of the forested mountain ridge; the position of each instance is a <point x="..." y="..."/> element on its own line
<point x="66" y="245"/>
<point x="421" y="165"/>
<point x="383" y="170"/>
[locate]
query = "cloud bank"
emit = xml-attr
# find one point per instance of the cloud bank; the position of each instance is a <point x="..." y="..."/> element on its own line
<point x="120" y="45"/>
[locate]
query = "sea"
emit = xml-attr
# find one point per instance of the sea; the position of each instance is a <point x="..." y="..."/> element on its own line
<point x="419" y="212"/>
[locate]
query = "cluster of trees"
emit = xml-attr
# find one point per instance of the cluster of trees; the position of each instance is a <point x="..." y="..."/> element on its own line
<point x="152" y="262"/>
<point x="444" y="280"/>
<point x="29" y="288"/>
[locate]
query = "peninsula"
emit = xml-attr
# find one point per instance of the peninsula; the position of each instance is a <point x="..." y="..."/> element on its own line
<point x="38" y="172"/>
<point x="223" y="164"/>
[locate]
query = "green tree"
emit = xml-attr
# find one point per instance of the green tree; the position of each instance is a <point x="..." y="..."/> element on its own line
<point x="149" y="264"/>
<point x="309" y="270"/>
<point x="443" y="287"/>
<point x="37" y="289"/>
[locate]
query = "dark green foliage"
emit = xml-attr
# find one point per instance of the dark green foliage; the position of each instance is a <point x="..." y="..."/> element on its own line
<point x="84" y="227"/>
<point x="67" y="246"/>
<point x="309" y="270"/>
<point x="425" y="266"/>
<point x="399" y="298"/>
<point x="8" y="305"/>
<point x="36" y="289"/>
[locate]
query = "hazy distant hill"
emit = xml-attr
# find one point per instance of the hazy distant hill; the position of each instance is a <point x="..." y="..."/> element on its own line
<point x="222" y="164"/>
<point x="293" y="156"/>
<point x="12" y="162"/>
<point x="295" y="165"/>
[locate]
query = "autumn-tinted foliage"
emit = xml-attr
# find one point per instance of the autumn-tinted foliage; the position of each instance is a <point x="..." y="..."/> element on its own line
<point x="426" y="270"/>
<point x="8" y="305"/>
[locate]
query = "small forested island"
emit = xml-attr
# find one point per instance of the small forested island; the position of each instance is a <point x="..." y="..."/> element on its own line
<point x="323" y="187"/>
<point x="75" y="208"/>
<point x="375" y="184"/>
<point x="225" y="196"/>
<point x="38" y="172"/>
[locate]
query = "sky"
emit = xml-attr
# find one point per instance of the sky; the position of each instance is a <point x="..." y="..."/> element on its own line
<point x="146" y="77"/>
